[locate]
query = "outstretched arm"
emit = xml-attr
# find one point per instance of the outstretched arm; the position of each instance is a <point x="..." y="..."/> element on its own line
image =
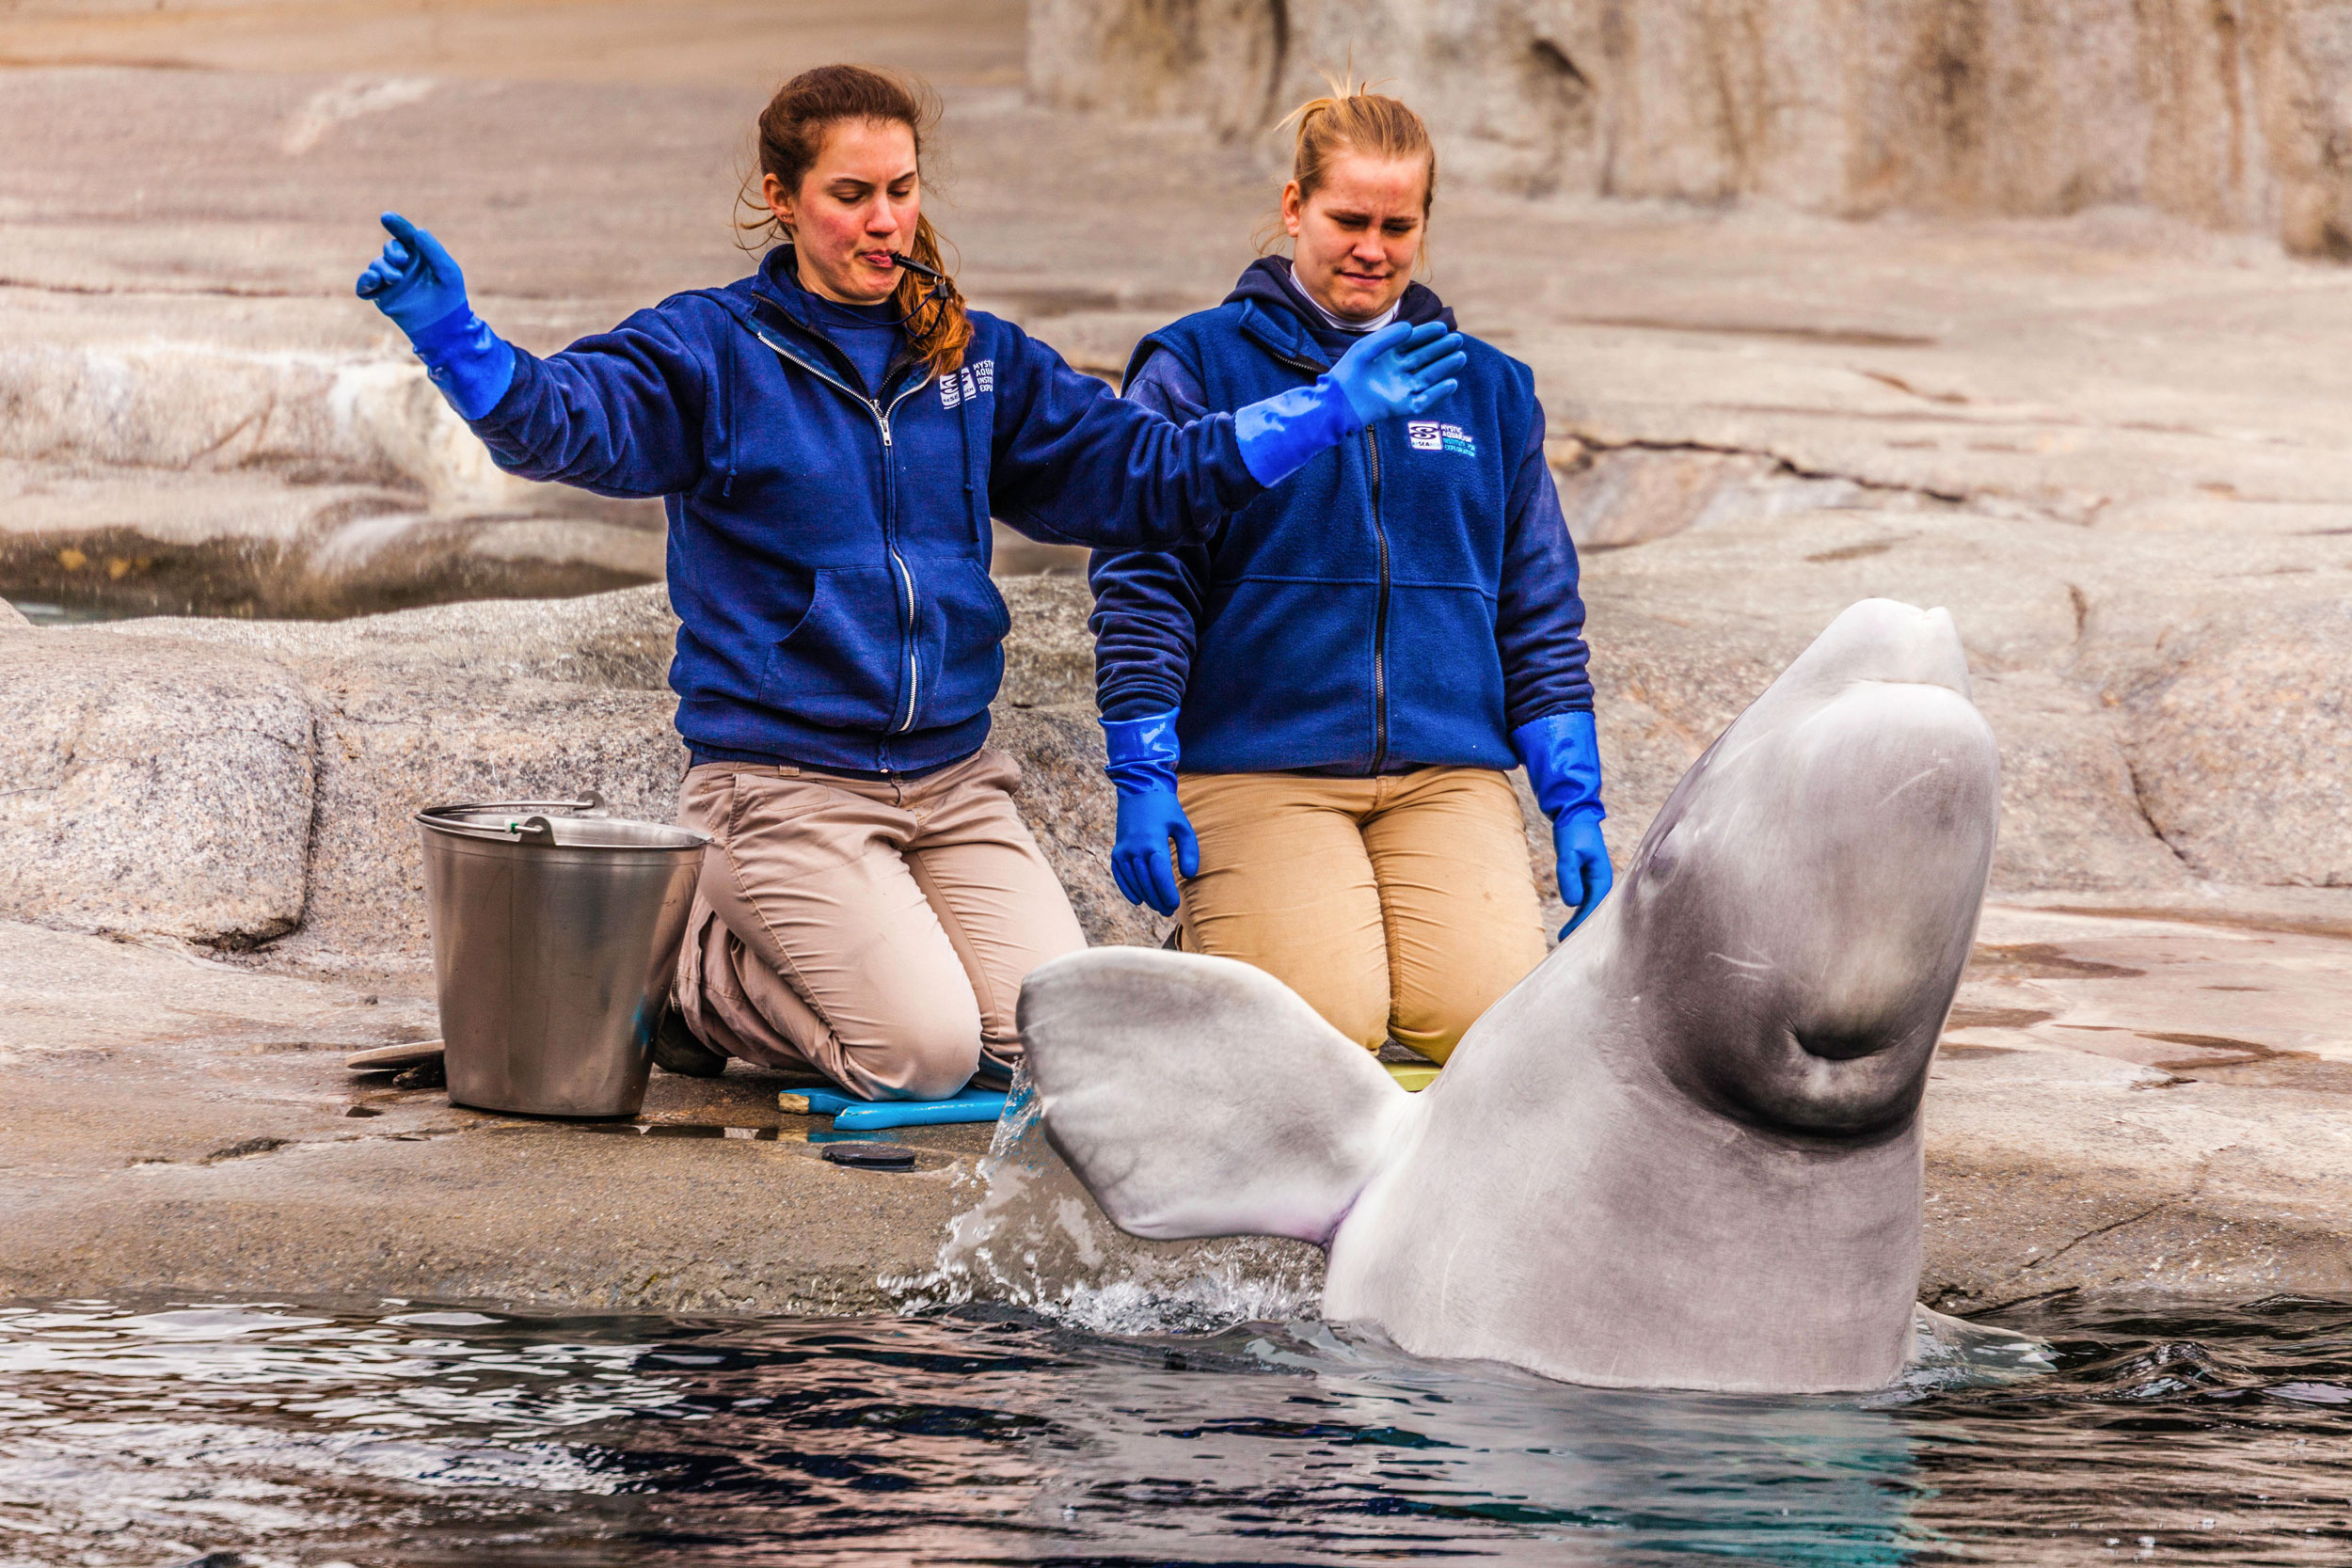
<point x="1074" y="464"/>
<point x="619" y="413"/>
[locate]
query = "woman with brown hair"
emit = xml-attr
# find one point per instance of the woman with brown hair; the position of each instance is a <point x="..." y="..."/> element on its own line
<point x="832" y="436"/>
<point x="1344" y="669"/>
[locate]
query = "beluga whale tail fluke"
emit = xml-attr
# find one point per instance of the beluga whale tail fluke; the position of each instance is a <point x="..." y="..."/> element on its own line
<point x="1684" y="1151"/>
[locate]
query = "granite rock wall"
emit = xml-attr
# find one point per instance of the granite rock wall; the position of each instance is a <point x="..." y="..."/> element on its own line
<point x="2234" y="112"/>
<point x="250" y="787"/>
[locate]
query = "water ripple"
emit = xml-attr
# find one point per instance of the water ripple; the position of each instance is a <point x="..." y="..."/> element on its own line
<point x="134" y="1435"/>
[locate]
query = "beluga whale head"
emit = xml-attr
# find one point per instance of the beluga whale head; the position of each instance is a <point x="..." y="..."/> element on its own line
<point x="1685" y="1151"/>
<point x="1797" y="918"/>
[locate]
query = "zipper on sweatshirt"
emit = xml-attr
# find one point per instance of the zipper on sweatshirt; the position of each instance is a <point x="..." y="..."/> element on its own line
<point x="1379" y="615"/>
<point x="890" y="506"/>
<point x="1380" y="599"/>
<point x="906" y="574"/>
<point x="906" y="577"/>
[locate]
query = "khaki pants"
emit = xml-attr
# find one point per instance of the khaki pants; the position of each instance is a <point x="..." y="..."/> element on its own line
<point x="1400" y="906"/>
<point x="878" y="931"/>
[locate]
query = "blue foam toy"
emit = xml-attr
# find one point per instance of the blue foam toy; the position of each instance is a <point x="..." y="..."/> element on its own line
<point x="970" y="1105"/>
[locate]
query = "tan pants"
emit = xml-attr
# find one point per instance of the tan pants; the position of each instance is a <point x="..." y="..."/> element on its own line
<point x="877" y="931"/>
<point x="1401" y="906"/>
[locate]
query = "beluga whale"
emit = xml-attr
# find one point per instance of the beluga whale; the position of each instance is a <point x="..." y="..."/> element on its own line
<point x="1684" y="1151"/>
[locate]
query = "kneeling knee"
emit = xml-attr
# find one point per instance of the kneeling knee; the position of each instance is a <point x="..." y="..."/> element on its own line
<point x="937" y="1070"/>
<point x="1360" y="1012"/>
<point x="924" y="1053"/>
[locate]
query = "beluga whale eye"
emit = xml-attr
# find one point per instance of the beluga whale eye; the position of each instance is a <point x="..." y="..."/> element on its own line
<point x="1661" y="849"/>
<point x="1657" y="863"/>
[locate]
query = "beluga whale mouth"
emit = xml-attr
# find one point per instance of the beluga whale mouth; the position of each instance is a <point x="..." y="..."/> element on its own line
<point x="1685" y="1151"/>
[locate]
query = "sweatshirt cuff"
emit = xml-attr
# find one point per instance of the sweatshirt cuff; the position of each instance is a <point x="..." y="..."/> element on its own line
<point x="1138" y="699"/>
<point x="469" y="363"/>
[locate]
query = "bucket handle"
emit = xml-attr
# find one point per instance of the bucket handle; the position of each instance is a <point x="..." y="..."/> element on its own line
<point x="594" y="802"/>
<point x="535" y="829"/>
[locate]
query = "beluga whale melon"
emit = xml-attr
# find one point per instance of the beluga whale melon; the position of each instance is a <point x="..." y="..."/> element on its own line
<point x="1684" y="1151"/>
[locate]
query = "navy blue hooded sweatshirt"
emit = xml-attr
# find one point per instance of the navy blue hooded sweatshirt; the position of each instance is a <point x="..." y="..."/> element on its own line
<point x="1407" y="599"/>
<point x="828" y="549"/>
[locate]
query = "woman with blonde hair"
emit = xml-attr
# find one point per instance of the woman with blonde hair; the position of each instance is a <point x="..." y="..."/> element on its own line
<point x="1315" y="702"/>
<point x="832" y="436"/>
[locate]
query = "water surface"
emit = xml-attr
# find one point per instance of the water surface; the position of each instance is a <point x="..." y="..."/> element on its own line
<point x="140" y="1433"/>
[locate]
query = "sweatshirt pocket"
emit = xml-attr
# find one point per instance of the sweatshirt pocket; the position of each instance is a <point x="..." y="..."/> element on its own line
<point x="1445" y="678"/>
<point x="841" y="664"/>
<point x="1284" y="677"/>
<point x="960" y="632"/>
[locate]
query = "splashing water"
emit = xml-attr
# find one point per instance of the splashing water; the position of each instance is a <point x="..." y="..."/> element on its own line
<point x="1952" y="1352"/>
<point x="1036" y="1240"/>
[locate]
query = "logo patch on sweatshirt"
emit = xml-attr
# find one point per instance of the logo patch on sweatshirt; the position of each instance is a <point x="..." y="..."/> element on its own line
<point x="1429" y="435"/>
<point x="970" y="382"/>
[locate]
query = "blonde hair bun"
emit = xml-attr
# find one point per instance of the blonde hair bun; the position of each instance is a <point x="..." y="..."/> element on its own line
<point x="1354" y="118"/>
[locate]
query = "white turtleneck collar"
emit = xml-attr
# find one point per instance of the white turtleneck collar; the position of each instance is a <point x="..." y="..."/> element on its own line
<point x="1340" y="323"/>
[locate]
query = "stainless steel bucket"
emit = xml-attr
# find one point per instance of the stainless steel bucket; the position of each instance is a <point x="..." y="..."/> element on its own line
<point x="554" y="938"/>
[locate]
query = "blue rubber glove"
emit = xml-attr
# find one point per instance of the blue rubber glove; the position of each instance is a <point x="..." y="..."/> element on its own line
<point x="1397" y="370"/>
<point x="1562" y="757"/>
<point x="1583" y="857"/>
<point x="417" y="284"/>
<point x="1142" y="764"/>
